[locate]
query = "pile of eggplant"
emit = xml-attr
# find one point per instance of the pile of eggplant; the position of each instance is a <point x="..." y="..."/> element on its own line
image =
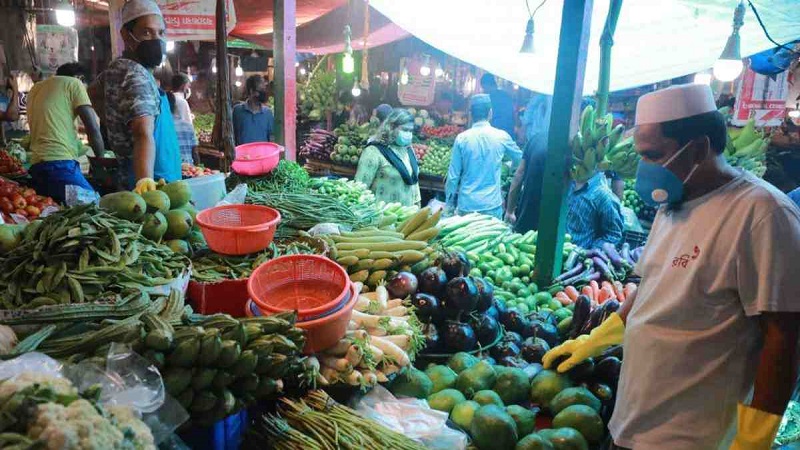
<point x="605" y="263"/>
<point x="459" y="313"/>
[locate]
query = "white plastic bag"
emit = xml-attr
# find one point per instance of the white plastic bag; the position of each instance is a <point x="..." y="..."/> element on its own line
<point x="413" y="418"/>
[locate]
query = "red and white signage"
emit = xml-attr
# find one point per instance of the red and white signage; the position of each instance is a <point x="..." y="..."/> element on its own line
<point x="194" y="20"/>
<point x="761" y="98"/>
<point x="420" y="90"/>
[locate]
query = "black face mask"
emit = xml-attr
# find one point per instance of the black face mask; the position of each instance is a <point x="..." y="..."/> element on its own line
<point x="151" y="53"/>
<point x="261" y="96"/>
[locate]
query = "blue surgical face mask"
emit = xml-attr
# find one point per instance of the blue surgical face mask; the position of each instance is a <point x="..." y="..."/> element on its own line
<point x="404" y="138"/>
<point x="657" y="185"/>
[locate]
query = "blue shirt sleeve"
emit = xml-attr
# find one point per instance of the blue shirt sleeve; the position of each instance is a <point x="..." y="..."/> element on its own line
<point x="512" y="149"/>
<point x="795" y="196"/>
<point x="610" y="221"/>
<point x="270" y="125"/>
<point x="237" y="124"/>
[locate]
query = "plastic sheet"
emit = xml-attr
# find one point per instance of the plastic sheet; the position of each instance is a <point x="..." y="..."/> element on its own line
<point x="413" y="418"/>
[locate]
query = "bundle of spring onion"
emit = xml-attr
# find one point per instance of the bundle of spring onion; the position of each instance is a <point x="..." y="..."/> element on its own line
<point x="317" y="422"/>
<point x="210" y="267"/>
<point x="383" y="337"/>
<point x="287" y="177"/>
<point x="303" y="211"/>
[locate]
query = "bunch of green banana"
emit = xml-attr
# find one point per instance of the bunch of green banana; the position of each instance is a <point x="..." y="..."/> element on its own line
<point x="318" y="95"/>
<point x="589" y="146"/>
<point x="747" y="148"/>
<point x="623" y="159"/>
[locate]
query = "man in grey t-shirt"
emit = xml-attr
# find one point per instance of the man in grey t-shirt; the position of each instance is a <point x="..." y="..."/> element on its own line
<point x="710" y="336"/>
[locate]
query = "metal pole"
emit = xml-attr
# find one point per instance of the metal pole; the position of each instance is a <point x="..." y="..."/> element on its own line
<point x="284" y="45"/>
<point x="573" y="46"/>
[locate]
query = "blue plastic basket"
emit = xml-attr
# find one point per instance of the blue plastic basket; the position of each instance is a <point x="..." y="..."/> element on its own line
<point x="227" y="434"/>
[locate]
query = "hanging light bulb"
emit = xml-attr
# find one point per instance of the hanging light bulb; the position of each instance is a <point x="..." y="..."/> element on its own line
<point x="348" y="62"/>
<point x="729" y="65"/>
<point x="254" y="54"/>
<point x="404" y="76"/>
<point x="238" y="83"/>
<point x="65" y="14"/>
<point x="439" y="71"/>
<point x="214" y="65"/>
<point x="238" y="71"/>
<point x="296" y="64"/>
<point x="516" y="87"/>
<point x="425" y="70"/>
<point x="356" y="91"/>
<point x="527" y="42"/>
<point x="302" y="71"/>
<point x="170" y="46"/>
<point x="702" y="78"/>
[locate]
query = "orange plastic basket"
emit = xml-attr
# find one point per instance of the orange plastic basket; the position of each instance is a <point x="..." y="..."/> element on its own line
<point x="238" y="229"/>
<point x="324" y="332"/>
<point x="309" y="284"/>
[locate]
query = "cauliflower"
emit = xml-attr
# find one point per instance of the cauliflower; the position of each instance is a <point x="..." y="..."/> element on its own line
<point x="60" y="386"/>
<point x="418" y="121"/>
<point x="78" y="426"/>
<point x="423" y="113"/>
<point x="133" y="428"/>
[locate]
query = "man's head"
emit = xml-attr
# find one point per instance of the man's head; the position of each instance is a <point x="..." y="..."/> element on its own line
<point x="256" y="88"/>
<point x="382" y="111"/>
<point x="180" y="82"/>
<point x="681" y="119"/>
<point x="480" y="107"/>
<point x="72" y="69"/>
<point x="143" y="31"/>
<point x="488" y="82"/>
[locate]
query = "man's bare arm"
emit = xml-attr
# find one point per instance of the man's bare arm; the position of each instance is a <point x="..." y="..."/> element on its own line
<point x="777" y="366"/>
<point x="144" y="146"/>
<point x="516" y="186"/>
<point x="89" y="119"/>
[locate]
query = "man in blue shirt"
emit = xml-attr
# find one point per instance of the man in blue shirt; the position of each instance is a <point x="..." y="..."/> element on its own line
<point x="252" y="119"/>
<point x="473" y="180"/>
<point x="594" y="215"/>
<point x="502" y="105"/>
<point x="795" y="196"/>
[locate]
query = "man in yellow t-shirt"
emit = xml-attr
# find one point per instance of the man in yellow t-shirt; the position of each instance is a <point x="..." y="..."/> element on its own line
<point x="53" y="105"/>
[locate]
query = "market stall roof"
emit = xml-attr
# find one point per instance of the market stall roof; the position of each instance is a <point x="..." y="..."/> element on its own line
<point x="322" y="34"/>
<point x="654" y="41"/>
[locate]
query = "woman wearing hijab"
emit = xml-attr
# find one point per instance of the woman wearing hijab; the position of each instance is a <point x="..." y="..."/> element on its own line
<point x="388" y="165"/>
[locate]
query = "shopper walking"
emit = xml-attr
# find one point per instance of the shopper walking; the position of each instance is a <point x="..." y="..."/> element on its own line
<point x="388" y="165"/>
<point x="135" y="111"/>
<point x="182" y="91"/>
<point x="253" y="120"/>
<point x="53" y="106"/>
<point x="715" y="318"/>
<point x="473" y="180"/>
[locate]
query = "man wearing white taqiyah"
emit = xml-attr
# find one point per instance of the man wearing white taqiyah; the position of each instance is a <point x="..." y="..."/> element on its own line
<point x="711" y="334"/>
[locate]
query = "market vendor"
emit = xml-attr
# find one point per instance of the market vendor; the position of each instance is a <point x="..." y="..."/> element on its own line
<point x="710" y="338"/>
<point x="594" y="214"/>
<point x="137" y="116"/>
<point x="388" y="165"/>
<point x="473" y="179"/>
<point x="53" y="106"/>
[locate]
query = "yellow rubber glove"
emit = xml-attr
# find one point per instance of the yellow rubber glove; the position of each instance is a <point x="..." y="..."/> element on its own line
<point x="755" y="429"/>
<point x="609" y="333"/>
<point x="144" y="185"/>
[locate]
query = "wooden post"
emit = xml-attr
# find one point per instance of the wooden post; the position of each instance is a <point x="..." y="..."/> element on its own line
<point x="224" y="117"/>
<point x="606" y="42"/>
<point x="114" y="23"/>
<point x="283" y="44"/>
<point x="573" y="46"/>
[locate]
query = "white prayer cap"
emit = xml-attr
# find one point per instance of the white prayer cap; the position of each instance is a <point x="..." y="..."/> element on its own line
<point x="133" y="9"/>
<point x="674" y="102"/>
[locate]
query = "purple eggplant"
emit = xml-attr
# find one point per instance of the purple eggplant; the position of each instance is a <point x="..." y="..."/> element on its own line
<point x="572" y="272"/>
<point x="616" y="259"/>
<point x="604" y="268"/>
<point x="432" y="281"/>
<point x="485" y="294"/>
<point x="487" y="329"/>
<point x="580" y="315"/>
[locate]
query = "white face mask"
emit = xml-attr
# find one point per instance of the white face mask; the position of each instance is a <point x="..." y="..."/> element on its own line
<point x="404" y="138"/>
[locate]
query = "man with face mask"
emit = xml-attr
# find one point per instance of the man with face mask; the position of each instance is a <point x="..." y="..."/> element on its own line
<point x="710" y="337"/>
<point x="136" y="114"/>
<point x="253" y="120"/>
<point x="473" y="179"/>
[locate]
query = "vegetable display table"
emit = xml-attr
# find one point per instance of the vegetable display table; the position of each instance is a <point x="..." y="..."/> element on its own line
<point x="321" y="168"/>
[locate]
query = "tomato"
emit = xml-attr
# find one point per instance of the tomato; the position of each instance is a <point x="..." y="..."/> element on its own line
<point x="33" y="211"/>
<point x="18" y="201"/>
<point x="21" y="212"/>
<point x="6" y="206"/>
<point x="30" y="199"/>
<point x="28" y="192"/>
<point x="7" y="190"/>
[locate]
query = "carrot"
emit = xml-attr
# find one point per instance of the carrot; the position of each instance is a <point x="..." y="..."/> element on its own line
<point x="595" y="289"/>
<point x="571" y="292"/>
<point x="606" y="293"/>
<point x="587" y="291"/>
<point x="562" y="297"/>
<point x="618" y="290"/>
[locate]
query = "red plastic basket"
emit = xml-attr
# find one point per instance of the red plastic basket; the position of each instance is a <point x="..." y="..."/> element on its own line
<point x="238" y="229"/>
<point x="324" y="332"/>
<point x="309" y="284"/>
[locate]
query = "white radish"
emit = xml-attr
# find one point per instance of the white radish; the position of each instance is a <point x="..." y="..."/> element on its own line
<point x="351" y="325"/>
<point x="359" y="286"/>
<point x="330" y="374"/>
<point x="372" y="321"/>
<point x="390" y="369"/>
<point x="356" y="334"/>
<point x="377" y="354"/>
<point x="383" y="296"/>
<point x="354" y="378"/>
<point x="371" y="295"/>
<point x="377" y="331"/>
<point x="397" y="311"/>
<point x="401" y="340"/>
<point x="370" y="378"/>
<point x="381" y="376"/>
<point x="322" y="381"/>
<point x="354" y="355"/>
<point x="394" y="303"/>
<point x="340" y="348"/>
<point x="390" y="350"/>
<point x="338" y="364"/>
<point x="362" y="303"/>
